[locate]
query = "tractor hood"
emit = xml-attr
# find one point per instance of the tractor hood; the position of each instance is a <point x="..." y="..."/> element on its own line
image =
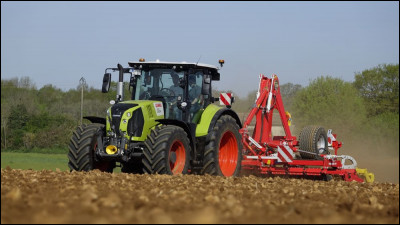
<point x="133" y="119"/>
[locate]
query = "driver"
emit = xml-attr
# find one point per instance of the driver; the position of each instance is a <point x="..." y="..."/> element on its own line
<point x="195" y="96"/>
<point x="177" y="91"/>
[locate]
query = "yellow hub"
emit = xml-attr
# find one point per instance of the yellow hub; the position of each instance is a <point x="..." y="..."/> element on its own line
<point x="111" y="149"/>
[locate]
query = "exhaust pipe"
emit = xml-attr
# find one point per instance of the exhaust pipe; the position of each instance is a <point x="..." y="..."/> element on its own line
<point x="120" y="86"/>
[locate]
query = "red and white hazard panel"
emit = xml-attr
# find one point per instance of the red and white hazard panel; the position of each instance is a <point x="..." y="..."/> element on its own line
<point x="225" y="98"/>
<point x="285" y="154"/>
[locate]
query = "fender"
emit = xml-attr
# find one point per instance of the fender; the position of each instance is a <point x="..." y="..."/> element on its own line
<point x="210" y="116"/>
<point x="95" y="119"/>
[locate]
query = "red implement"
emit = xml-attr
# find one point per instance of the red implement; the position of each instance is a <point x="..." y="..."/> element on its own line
<point x="285" y="155"/>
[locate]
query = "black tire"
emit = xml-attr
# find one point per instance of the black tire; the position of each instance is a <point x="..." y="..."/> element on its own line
<point x="313" y="139"/>
<point x="82" y="148"/>
<point x="167" y="151"/>
<point x="223" y="150"/>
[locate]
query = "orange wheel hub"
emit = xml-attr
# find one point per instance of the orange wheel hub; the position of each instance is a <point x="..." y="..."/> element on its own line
<point x="177" y="157"/>
<point x="228" y="154"/>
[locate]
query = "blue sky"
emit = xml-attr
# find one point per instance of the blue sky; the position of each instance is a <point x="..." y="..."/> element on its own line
<point x="59" y="42"/>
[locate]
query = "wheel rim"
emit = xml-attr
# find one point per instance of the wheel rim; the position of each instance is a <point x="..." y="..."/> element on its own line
<point x="177" y="157"/>
<point x="228" y="154"/>
<point x="321" y="145"/>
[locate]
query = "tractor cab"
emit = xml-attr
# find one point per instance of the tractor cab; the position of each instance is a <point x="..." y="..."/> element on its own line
<point x="183" y="88"/>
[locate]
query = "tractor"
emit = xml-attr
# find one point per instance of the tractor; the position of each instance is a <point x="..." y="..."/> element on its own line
<point x="169" y="125"/>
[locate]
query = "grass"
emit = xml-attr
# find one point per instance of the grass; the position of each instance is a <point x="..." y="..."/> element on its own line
<point x="37" y="161"/>
<point x="55" y="150"/>
<point x="34" y="161"/>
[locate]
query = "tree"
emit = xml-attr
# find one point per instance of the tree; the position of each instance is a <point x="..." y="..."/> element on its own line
<point x="17" y="121"/>
<point x="379" y="87"/>
<point x="329" y="102"/>
<point x="288" y="92"/>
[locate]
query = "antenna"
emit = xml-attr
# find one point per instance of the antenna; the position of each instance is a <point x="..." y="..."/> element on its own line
<point x="198" y="60"/>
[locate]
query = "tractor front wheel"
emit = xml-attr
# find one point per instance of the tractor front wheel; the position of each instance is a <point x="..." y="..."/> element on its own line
<point x="222" y="153"/>
<point x="82" y="147"/>
<point x="167" y="151"/>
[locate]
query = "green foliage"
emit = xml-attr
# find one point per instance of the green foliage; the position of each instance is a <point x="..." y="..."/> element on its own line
<point x="288" y="92"/>
<point x="338" y="105"/>
<point x="44" y="118"/>
<point x="34" y="161"/>
<point x="329" y="102"/>
<point x="385" y="124"/>
<point x="379" y="87"/>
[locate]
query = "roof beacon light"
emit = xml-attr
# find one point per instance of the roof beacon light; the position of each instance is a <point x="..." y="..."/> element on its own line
<point x="141" y="60"/>
<point x="221" y="62"/>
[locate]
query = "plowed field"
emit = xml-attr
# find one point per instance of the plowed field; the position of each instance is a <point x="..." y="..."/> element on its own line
<point x="29" y="196"/>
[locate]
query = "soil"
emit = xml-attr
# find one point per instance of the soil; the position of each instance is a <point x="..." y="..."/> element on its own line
<point x="29" y="196"/>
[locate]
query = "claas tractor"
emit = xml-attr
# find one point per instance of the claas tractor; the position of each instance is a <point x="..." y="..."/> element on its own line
<point x="168" y="125"/>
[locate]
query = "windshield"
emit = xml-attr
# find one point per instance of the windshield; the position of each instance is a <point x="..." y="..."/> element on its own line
<point x="159" y="82"/>
<point x="162" y="85"/>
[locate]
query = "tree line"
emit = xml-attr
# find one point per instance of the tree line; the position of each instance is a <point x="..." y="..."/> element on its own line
<point x="46" y="117"/>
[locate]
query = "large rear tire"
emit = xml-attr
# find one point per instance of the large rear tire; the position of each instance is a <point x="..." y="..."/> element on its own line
<point x="82" y="148"/>
<point x="167" y="151"/>
<point x="313" y="139"/>
<point x="222" y="153"/>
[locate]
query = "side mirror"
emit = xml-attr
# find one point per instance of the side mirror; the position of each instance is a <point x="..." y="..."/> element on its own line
<point x="206" y="87"/>
<point x="106" y="82"/>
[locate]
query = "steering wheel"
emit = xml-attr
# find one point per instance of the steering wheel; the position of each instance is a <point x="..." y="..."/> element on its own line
<point x="166" y="92"/>
<point x="145" y="96"/>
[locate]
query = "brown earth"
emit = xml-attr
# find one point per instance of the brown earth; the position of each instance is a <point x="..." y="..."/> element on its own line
<point x="61" y="197"/>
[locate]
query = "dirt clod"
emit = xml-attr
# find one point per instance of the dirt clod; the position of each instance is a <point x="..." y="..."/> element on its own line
<point x="29" y="196"/>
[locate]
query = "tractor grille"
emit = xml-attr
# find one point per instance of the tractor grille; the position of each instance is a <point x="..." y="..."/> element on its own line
<point x="135" y="124"/>
<point x="117" y="111"/>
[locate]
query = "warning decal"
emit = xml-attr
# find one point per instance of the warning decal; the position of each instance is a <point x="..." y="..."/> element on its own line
<point x="158" y="106"/>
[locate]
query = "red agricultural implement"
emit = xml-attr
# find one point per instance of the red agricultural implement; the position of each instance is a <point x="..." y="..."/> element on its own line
<point x="310" y="155"/>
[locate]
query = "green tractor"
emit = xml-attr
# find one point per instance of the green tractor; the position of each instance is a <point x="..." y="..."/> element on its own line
<point x="169" y="125"/>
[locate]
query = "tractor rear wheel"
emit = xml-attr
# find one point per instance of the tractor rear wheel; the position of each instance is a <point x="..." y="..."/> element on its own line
<point x="222" y="153"/>
<point x="167" y="151"/>
<point x="82" y="147"/>
<point x="313" y="139"/>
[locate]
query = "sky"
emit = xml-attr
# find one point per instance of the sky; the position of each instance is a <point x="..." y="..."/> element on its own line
<point x="59" y="42"/>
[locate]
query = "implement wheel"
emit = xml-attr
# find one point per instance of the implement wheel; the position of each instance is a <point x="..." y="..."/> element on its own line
<point x="313" y="139"/>
<point x="167" y="151"/>
<point x="222" y="154"/>
<point x="82" y="147"/>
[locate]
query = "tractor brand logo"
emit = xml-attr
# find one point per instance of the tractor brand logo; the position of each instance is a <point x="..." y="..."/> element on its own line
<point x="159" y="108"/>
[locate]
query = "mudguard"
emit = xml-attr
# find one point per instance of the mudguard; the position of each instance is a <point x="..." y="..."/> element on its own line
<point x="210" y="116"/>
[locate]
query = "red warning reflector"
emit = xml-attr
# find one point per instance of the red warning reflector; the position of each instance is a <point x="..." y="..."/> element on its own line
<point x="225" y="98"/>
